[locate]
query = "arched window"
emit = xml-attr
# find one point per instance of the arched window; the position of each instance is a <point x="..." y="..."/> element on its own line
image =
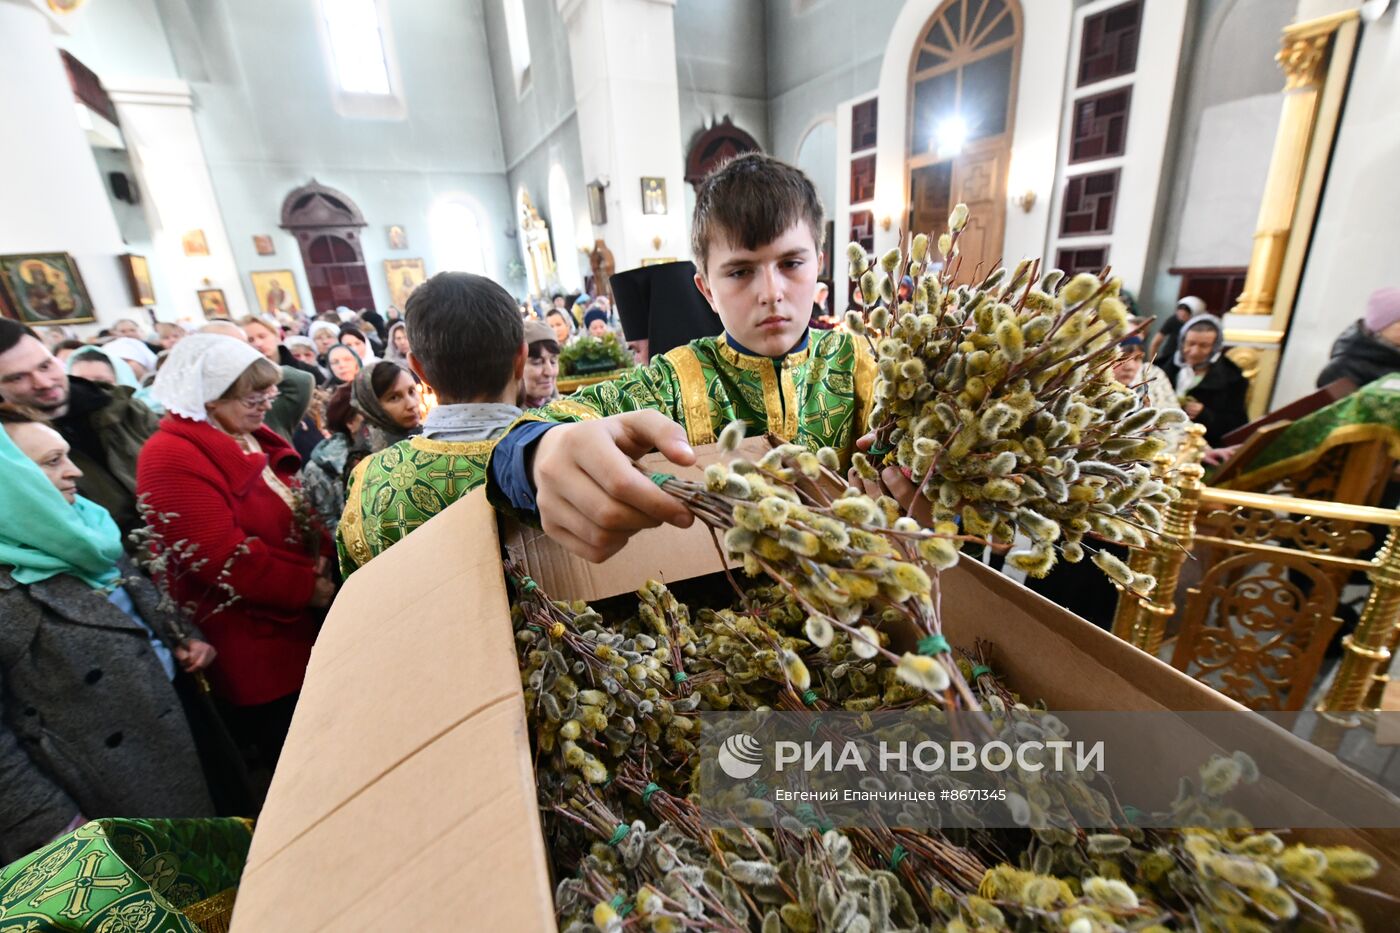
<point x="364" y="72"/>
<point x="962" y="109"/>
<point x="458" y="245"/>
<point x="561" y="225"/>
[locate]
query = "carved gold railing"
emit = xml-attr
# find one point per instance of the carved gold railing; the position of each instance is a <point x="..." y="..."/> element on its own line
<point x="1258" y="623"/>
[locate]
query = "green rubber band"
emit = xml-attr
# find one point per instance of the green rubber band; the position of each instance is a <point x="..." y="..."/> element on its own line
<point x="1132" y="813"/>
<point x="979" y="670"/>
<point x="647" y="791"/>
<point x="661" y="478"/>
<point x="877" y="451"/>
<point x="528" y="585"/>
<point x="621" y="905"/>
<point x="897" y="856"/>
<point x="933" y="644"/>
<point x="619" y="834"/>
<point x="679" y="677"/>
<point x="809" y="697"/>
<point x="812" y="727"/>
<point x="758" y="789"/>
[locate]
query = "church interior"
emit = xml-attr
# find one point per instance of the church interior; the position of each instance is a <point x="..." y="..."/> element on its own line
<point x="1027" y="356"/>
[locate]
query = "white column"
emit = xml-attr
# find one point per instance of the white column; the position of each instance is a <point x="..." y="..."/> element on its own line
<point x="157" y="119"/>
<point x="623" y="54"/>
<point x="52" y="200"/>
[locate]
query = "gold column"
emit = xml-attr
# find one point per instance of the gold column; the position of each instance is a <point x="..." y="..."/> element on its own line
<point x="1316" y="59"/>
<point x="1304" y="62"/>
<point x="1367" y="651"/>
<point x="1143" y="622"/>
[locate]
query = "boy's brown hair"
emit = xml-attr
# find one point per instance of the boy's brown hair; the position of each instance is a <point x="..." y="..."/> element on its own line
<point x="751" y="200"/>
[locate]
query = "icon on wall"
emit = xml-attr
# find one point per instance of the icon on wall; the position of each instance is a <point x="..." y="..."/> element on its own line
<point x="398" y="239"/>
<point x="263" y="244"/>
<point x="194" y="243"/>
<point x="597" y="205"/>
<point x="653" y="195"/>
<point x="403" y="276"/>
<point x="138" y="279"/>
<point x="212" y="303"/>
<point x="45" y="288"/>
<point x="276" y="290"/>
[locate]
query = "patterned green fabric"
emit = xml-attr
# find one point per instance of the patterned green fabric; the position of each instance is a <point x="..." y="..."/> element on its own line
<point x="818" y="397"/>
<point x="123" y="876"/>
<point x="1370" y="413"/>
<point x="400" y="488"/>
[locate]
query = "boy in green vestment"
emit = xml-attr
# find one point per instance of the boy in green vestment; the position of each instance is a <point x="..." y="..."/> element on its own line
<point x="466" y="341"/>
<point x="756" y="239"/>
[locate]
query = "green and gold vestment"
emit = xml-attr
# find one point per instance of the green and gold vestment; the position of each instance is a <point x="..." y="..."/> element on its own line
<point x="114" y="875"/>
<point x="818" y="396"/>
<point x="401" y="487"/>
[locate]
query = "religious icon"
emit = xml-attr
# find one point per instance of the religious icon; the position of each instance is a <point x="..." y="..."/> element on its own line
<point x="398" y="239"/>
<point x="45" y="288"/>
<point x="212" y="303"/>
<point x="653" y="195"/>
<point x="597" y="206"/>
<point x="276" y="290"/>
<point x="138" y="279"/>
<point x="403" y="275"/>
<point x="194" y="243"/>
<point x="658" y="261"/>
<point x="263" y="244"/>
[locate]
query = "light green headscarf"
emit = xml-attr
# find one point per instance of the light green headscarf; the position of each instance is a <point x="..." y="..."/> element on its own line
<point x="43" y="536"/>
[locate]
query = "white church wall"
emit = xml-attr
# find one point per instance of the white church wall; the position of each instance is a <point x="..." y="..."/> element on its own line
<point x="539" y="125"/>
<point x="1224" y="128"/>
<point x="721" y="53"/>
<point x="269" y="124"/>
<point x="819" y="56"/>
<point x="1355" y="241"/>
<point x="56" y="201"/>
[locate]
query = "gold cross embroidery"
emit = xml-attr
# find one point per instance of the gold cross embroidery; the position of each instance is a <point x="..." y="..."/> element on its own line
<point x="451" y="474"/>
<point x="401" y="523"/>
<point x="82" y="886"/>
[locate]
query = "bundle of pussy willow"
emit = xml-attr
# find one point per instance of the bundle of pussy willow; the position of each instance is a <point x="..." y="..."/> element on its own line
<point x="998" y="400"/>
<point x="612" y="696"/>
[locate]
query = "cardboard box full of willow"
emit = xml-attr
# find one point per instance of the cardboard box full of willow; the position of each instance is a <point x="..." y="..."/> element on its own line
<point x="411" y="756"/>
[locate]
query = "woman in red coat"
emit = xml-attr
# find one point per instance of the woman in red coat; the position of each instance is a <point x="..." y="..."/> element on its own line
<point x="221" y="493"/>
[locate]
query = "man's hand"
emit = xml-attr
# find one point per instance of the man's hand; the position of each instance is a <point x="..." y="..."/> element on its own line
<point x="195" y="655"/>
<point x="322" y="593"/>
<point x="896" y="485"/>
<point x="591" y="498"/>
<point x="1218" y="455"/>
<point x="1193" y="408"/>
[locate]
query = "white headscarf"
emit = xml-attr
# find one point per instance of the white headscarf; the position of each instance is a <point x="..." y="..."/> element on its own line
<point x="129" y="348"/>
<point x="318" y="326"/>
<point x="198" y="370"/>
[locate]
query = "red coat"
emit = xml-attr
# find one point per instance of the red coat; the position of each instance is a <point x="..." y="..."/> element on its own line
<point x="214" y="496"/>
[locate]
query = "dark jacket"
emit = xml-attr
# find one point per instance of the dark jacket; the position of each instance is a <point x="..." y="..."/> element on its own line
<point x="293" y="399"/>
<point x="1222" y="393"/>
<point x="220" y="504"/>
<point x="285" y="359"/>
<point x="1360" y="356"/>
<point x="107" y="428"/>
<point x="89" y="723"/>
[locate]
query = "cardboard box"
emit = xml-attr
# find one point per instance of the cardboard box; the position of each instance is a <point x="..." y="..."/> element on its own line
<point x="405" y="799"/>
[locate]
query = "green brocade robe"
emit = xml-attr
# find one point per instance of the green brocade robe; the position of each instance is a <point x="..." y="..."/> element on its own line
<point x="114" y="875"/>
<point x="818" y="397"/>
<point x="401" y="487"/>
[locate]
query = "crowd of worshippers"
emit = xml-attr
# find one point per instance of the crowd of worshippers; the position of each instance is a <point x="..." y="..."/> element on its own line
<point x="182" y="508"/>
<point x="170" y="547"/>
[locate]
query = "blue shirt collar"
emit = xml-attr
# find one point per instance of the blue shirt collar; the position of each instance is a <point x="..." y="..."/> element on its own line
<point x="795" y="348"/>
